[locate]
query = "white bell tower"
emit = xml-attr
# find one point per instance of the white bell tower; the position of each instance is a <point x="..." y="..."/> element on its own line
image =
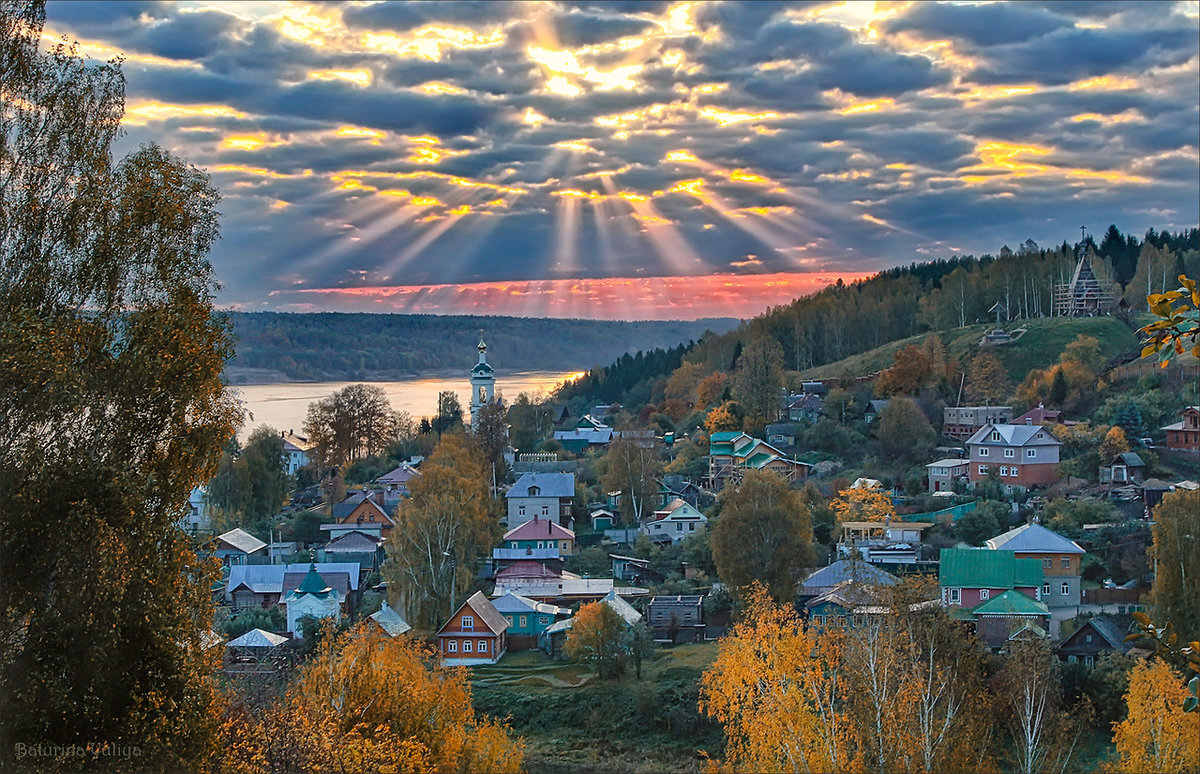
<point x="483" y="383"/>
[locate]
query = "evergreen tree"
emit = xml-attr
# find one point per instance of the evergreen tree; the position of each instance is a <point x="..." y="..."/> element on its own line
<point x="1058" y="388"/>
<point x="1129" y="418"/>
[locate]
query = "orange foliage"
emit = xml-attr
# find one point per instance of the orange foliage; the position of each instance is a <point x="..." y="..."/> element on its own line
<point x="1157" y="735"/>
<point x="862" y="505"/>
<point x="368" y="703"/>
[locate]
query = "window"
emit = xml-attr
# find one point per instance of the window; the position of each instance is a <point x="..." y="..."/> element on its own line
<point x="679" y="526"/>
<point x="1046" y="589"/>
<point x="1004" y="470"/>
<point x="983" y="470"/>
<point x="543" y="620"/>
<point x="985" y="593"/>
<point x="452" y="646"/>
<point x="524" y="621"/>
<point x="468" y="622"/>
<point x="1065" y="589"/>
<point x="1087" y="638"/>
<point x="1047" y="563"/>
<point x="954" y="596"/>
<point x="520" y="510"/>
<point x="545" y="510"/>
<point x="564" y="545"/>
<point x="1031" y="453"/>
<point x="1071" y="659"/>
<point x="995" y="435"/>
<point x="1009" y="453"/>
<point x="691" y="528"/>
<point x="466" y="646"/>
<point x="1089" y="660"/>
<point x="509" y="618"/>
<point x="1066" y="562"/>
<point x="818" y="619"/>
<point x="482" y="647"/>
<point x="983" y="452"/>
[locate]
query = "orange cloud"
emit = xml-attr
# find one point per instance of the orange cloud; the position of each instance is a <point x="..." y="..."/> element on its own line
<point x="615" y="298"/>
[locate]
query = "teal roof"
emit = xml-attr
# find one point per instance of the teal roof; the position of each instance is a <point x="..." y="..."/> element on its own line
<point x="481" y="368"/>
<point x="981" y="568"/>
<point x="725" y="436"/>
<point x="313" y="583"/>
<point x="1012" y="603"/>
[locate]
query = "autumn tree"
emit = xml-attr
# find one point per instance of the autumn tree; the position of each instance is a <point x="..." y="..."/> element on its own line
<point x="112" y="409"/>
<point x="530" y="422"/>
<point x="251" y="482"/>
<point x="1115" y="443"/>
<point x="491" y="437"/>
<point x="779" y="692"/>
<point x="711" y="389"/>
<point x="633" y="470"/>
<point x="363" y="703"/>
<point x="449" y="413"/>
<point x="987" y="380"/>
<point x="724" y="418"/>
<point x="910" y="371"/>
<point x="763" y="535"/>
<point x="757" y="381"/>
<point x="355" y="422"/>
<point x="862" y="504"/>
<point x="1043" y="732"/>
<point x="441" y="530"/>
<point x="1177" y="563"/>
<point x="904" y="432"/>
<point x="598" y="638"/>
<point x="1157" y="733"/>
<point x="1176" y="328"/>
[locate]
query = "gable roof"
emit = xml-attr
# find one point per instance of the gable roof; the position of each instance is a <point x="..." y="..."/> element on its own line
<point x="295" y="443"/>
<point x="849" y="595"/>
<point x="843" y="570"/>
<point x="392" y="623"/>
<point x="1128" y="459"/>
<point x="979" y="568"/>
<point x="1037" y="416"/>
<point x="679" y="508"/>
<point x="539" y="529"/>
<point x="1011" y="603"/>
<point x="269" y="578"/>
<point x="1014" y="435"/>
<point x="1034" y="538"/>
<point x="344" y="509"/>
<point x="354" y="541"/>
<point x="621" y="607"/>
<point x="400" y="475"/>
<point x="482" y="607"/>
<point x="1107" y="630"/>
<point x="527" y="569"/>
<point x="242" y="541"/>
<point x="550" y="484"/>
<point x="515" y="603"/>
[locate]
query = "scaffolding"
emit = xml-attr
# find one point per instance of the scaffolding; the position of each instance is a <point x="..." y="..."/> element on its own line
<point x="1090" y="293"/>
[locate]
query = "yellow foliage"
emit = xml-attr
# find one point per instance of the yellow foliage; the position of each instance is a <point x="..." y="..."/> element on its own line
<point x="862" y="505"/>
<point x="1157" y="735"/>
<point x="368" y="703"/>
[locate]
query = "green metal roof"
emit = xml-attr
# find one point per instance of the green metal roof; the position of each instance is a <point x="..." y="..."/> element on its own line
<point x="1012" y="603"/>
<point x="313" y="583"/>
<point x="981" y="568"/>
<point x="725" y="436"/>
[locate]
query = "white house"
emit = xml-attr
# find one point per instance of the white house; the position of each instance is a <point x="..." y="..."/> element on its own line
<point x="546" y="495"/>
<point x="312" y="597"/>
<point x="679" y="520"/>
<point x="295" y="450"/>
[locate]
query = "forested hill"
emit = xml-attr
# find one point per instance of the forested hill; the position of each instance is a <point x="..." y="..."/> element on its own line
<point x="274" y="346"/>
<point x="845" y="320"/>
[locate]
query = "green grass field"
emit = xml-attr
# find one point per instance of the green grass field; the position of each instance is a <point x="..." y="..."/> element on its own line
<point x="572" y="720"/>
<point x="1039" y="347"/>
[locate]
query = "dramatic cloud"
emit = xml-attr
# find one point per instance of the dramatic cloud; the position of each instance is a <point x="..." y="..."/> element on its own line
<point x="648" y="159"/>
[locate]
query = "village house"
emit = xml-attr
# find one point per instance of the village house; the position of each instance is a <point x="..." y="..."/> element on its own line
<point x="632" y="569"/>
<point x="588" y="433"/>
<point x="475" y="634"/>
<point x="826" y="578"/>
<point x="675" y="485"/>
<point x="366" y="512"/>
<point x="239" y="547"/>
<point x="1060" y="559"/>
<point x="553" y="639"/>
<point x="527" y="618"/>
<point x="1020" y="456"/>
<point x="781" y="434"/>
<point x="846" y="604"/>
<point x="390" y="622"/>
<point x="946" y="472"/>
<point x="545" y="495"/>
<point x="883" y="542"/>
<point x="364" y="548"/>
<point x="1184" y="435"/>
<point x="804" y="407"/>
<point x="1097" y="636"/>
<point x="1124" y="468"/>
<point x="295" y="451"/>
<point x="874" y="409"/>
<point x="963" y="421"/>
<point x="602" y="519"/>
<point x="731" y="453"/>
<point x="996" y="590"/>
<point x="1039" y="416"/>
<point x="312" y="597"/>
<point x="541" y="533"/>
<point x="1008" y="617"/>
<point x="398" y="479"/>
<point x="674" y="523"/>
<point x="263" y="585"/>
<point x="678" y="618"/>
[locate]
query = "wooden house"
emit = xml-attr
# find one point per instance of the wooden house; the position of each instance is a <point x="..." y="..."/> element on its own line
<point x="1184" y="435"/>
<point x="475" y="634"/>
<point x="1093" y="639"/>
<point x="677" y="618"/>
<point x="527" y="618"/>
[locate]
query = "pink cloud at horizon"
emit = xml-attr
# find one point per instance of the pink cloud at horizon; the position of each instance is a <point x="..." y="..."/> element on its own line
<point x="619" y="298"/>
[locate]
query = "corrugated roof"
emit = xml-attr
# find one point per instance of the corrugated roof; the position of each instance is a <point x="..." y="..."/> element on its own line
<point x="515" y="603"/>
<point x="948" y="462"/>
<point x="257" y="638"/>
<point x="622" y="608"/>
<point x="980" y="568"/>
<point x="1012" y="603"/>
<point x="353" y="541"/>
<point x="268" y="578"/>
<point x="550" y="484"/>
<point x="242" y="541"/>
<point x="390" y="621"/>
<point x="540" y="529"/>
<point x="483" y="608"/>
<point x="843" y="570"/>
<point x="1034" y="538"/>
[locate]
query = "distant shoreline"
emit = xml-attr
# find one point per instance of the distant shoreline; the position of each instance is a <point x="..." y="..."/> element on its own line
<point x="260" y="377"/>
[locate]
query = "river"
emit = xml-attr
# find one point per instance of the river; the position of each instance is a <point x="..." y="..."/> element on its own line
<point x="285" y="405"/>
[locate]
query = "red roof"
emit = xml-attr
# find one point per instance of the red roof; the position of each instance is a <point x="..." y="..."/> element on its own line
<point x="1038" y="416"/>
<point x="539" y="529"/>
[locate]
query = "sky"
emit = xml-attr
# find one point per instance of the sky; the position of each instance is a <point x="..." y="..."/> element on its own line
<point x="645" y="159"/>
